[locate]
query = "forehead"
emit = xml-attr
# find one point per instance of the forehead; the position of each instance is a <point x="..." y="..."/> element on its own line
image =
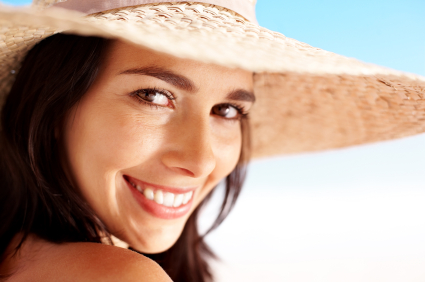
<point x="121" y="56"/>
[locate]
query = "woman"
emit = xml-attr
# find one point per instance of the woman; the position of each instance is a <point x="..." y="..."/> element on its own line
<point x="145" y="142"/>
<point x="107" y="138"/>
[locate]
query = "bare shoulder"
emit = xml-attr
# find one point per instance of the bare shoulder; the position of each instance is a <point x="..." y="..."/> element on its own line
<point x="109" y="263"/>
<point x="91" y="262"/>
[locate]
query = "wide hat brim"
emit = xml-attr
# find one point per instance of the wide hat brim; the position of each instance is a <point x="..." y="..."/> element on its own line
<point x="308" y="99"/>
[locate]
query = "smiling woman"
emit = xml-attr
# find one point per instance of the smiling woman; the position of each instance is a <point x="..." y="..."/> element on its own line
<point x="171" y="128"/>
<point x="117" y="132"/>
<point x="142" y="137"/>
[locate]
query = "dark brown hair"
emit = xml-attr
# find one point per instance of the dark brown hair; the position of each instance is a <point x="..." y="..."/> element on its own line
<point x="36" y="197"/>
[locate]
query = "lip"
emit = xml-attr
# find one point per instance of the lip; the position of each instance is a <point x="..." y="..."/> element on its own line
<point x="152" y="207"/>
<point x="174" y="190"/>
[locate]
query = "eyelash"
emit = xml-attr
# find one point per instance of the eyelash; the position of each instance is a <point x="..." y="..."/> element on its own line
<point x="243" y="114"/>
<point x="164" y="92"/>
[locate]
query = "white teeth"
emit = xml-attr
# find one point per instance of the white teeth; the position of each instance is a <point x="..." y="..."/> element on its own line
<point x="165" y="198"/>
<point x="149" y="194"/>
<point x="159" y="198"/>
<point x="168" y="199"/>
<point x="187" y="197"/>
<point x="178" y="200"/>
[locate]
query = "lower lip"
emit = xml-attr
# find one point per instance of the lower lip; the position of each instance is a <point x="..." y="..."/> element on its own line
<point x="158" y="210"/>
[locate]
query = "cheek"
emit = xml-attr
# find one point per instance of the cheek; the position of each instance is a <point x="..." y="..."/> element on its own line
<point x="112" y="137"/>
<point x="227" y="148"/>
<point x="228" y="153"/>
<point x="104" y="138"/>
<point x="227" y="144"/>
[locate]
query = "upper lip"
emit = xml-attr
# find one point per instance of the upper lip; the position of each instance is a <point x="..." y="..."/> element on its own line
<point x="174" y="190"/>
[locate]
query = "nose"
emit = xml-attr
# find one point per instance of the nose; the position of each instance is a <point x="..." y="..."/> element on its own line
<point x="190" y="152"/>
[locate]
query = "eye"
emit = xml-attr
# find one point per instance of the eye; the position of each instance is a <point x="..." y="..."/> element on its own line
<point x="154" y="96"/>
<point x="227" y="111"/>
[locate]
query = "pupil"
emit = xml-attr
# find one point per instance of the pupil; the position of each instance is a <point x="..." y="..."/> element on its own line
<point x="150" y="96"/>
<point x="222" y="110"/>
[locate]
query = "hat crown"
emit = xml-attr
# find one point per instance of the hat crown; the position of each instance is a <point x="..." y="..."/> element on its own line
<point x="245" y="8"/>
<point x="46" y="3"/>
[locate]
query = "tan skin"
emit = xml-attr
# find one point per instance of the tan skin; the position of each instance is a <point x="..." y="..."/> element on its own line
<point x="184" y="133"/>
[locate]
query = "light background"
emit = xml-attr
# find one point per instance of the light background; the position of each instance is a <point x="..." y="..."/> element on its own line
<point x="355" y="214"/>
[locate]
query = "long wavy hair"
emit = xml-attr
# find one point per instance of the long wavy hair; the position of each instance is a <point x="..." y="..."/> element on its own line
<point x="36" y="197"/>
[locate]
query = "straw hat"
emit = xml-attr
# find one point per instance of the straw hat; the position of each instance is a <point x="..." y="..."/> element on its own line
<point x="307" y="98"/>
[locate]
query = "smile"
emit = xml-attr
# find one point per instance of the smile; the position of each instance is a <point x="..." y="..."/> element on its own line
<point x="164" y="198"/>
<point x="160" y="201"/>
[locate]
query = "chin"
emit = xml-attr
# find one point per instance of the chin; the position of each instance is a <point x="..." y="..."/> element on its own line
<point x="155" y="242"/>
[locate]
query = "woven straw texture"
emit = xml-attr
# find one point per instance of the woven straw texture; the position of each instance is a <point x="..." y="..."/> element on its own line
<point x="307" y="98"/>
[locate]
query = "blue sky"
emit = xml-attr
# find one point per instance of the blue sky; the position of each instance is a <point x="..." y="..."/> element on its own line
<point x="386" y="32"/>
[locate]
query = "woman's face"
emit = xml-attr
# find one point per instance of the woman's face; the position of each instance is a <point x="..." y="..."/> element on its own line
<point x="151" y="138"/>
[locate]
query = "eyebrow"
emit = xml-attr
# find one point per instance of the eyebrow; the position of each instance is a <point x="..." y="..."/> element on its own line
<point x="241" y="95"/>
<point x="185" y="83"/>
<point x="178" y="81"/>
